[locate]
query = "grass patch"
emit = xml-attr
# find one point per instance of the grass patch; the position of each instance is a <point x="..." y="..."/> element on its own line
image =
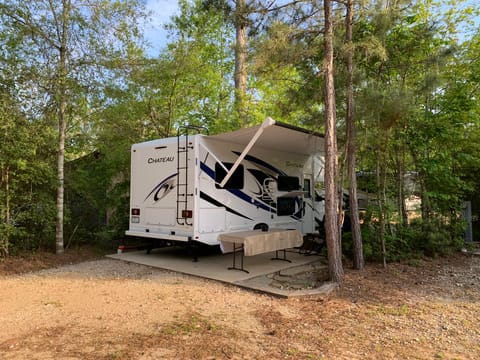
<point x="193" y="323"/>
<point x="402" y="310"/>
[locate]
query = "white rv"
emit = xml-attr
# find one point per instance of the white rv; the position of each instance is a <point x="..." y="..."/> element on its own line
<point x="192" y="188"/>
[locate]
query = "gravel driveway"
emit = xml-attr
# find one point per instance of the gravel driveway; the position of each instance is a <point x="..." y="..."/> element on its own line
<point x="107" y="309"/>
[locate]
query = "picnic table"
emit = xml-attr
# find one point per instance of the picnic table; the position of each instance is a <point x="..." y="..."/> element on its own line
<point x="254" y="242"/>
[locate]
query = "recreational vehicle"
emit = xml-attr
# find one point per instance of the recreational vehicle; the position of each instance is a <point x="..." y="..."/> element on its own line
<point x="193" y="188"/>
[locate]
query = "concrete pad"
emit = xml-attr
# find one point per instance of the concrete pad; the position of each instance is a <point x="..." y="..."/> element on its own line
<point x="264" y="284"/>
<point x="215" y="266"/>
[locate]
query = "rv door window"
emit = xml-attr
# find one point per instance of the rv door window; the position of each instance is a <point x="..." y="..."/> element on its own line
<point x="307" y="188"/>
<point x="288" y="183"/>
<point x="236" y="181"/>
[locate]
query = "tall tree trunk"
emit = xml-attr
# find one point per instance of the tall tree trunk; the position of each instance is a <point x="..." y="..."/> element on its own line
<point x="7" y="195"/>
<point x="4" y="243"/>
<point x="331" y="162"/>
<point x="402" y="211"/>
<point x="171" y="106"/>
<point x="241" y="61"/>
<point x="358" y="261"/>
<point x="61" y="178"/>
<point x="62" y="122"/>
<point x="341" y="168"/>
<point x="380" y="173"/>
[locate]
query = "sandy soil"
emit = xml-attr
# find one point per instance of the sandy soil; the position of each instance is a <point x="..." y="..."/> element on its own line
<point x="107" y="309"/>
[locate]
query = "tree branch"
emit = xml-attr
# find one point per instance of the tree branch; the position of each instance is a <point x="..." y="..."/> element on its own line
<point x="29" y="25"/>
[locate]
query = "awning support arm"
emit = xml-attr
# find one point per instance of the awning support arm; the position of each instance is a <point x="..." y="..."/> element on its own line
<point x="212" y="154"/>
<point x="267" y="123"/>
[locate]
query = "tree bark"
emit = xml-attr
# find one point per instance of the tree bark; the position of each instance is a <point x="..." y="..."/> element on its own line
<point x="5" y="244"/>
<point x="381" y="184"/>
<point x="331" y="162"/>
<point x="59" y="249"/>
<point x="358" y="261"/>
<point x="403" y="216"/>
<point x="62" y="123"/>
<point x="240" y="61"/>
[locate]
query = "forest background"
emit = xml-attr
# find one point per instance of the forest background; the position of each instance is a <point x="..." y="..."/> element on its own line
<point x="79" y="86"/>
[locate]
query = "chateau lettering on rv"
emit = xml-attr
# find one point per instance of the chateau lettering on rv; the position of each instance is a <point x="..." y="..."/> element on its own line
<point x="160" y="159"/>
<point x="293" y="164"/>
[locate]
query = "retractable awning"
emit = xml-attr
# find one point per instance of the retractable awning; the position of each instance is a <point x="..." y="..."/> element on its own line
<point x="277" y="136"/>
<point x="273" y="135"/>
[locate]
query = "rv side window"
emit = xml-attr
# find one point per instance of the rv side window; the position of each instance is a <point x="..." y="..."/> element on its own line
<point x="236" y="180"/>
<point x="285" y="206"/>
<point x="288" y="183"/>
<point x="307" y="188"/>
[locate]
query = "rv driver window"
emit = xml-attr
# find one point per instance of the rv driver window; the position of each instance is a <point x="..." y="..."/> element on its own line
<point x="288" y="183"/>
<point x="285" y="206"/>
<point x="236" y="180"/>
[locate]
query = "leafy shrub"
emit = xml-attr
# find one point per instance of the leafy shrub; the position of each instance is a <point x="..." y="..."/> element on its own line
<point x="440" y="238"/>
<point x="372" y="250"/>
<point x="5" y="235"/>
<point x="34" y="226"/>
<point x="433" y="238"/>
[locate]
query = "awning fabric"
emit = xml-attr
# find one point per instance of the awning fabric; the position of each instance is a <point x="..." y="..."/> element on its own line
<point x="277" y="136"/>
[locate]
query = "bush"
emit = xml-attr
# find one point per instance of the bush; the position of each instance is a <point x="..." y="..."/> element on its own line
<point x="6" y="231"/>
<point x="33" y="226"/>
<point x="433" y="238"/>
<point x="440" y="238"/>
<point x="372" y="250"/>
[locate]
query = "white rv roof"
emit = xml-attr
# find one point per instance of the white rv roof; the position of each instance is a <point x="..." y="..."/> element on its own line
<point x="277" y="136"/>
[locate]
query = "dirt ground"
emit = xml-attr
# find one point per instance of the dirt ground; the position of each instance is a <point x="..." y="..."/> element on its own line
<point x="108" y="309"/>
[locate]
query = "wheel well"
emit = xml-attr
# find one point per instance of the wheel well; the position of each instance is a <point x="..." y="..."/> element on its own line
<point x="261" y="226"/>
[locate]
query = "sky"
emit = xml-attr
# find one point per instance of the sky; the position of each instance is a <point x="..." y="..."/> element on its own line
<point x="162" y="10"/>
<point x="155" y="34"/>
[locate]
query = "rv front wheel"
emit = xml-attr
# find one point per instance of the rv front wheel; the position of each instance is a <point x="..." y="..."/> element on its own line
<point x="261" y="226"/>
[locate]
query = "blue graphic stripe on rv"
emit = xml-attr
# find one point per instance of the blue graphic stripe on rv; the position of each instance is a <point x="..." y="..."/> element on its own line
<point x="262" y="163"/>
<point x="207" y="170"/>
<point x="240" y="194"/>
<point x="257" y="174"/>
<point x="217" y="203"/>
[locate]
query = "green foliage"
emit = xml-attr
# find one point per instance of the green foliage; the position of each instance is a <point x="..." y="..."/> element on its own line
<point x="26" y="179"/>
<point x="199" y="67"/>
<point x="432" y="238"/>
<point x="6" y="232"/>
<point x="416" y="101"/>
<point x="285" y="74"/>
<point x="418" y="120"/>
<point x="53" y="54"/>
<point x="36" y="224"/>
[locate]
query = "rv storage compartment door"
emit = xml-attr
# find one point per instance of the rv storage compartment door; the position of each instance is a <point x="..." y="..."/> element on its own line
<point x="160" y="216"/>
<point x="211" y="220"/>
